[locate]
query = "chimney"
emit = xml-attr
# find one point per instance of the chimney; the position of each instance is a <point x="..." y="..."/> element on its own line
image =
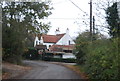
<point x="57" y="31"/>
<point x="67" y="31"/>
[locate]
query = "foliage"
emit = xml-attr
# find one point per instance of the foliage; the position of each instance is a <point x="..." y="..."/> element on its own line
<point x="32" y="54"/>
<point x="20" y="21"/>
<point x="102" y="60"/>
<point x="99" y="58"/>
<point x="82" y="41"/>
<point x="112" y="19"/>
<point x="66" y="60"/>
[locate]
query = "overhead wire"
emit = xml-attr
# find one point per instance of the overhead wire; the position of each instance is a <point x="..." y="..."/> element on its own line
<point x="82" y="11"/>
<point x="86" y="14"/>
<point x="78" y="7"/>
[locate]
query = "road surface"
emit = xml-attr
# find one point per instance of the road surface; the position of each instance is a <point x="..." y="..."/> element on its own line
<point x="46" y="70"/>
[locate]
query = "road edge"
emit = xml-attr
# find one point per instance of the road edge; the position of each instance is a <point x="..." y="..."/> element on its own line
<point x="73" y="68"/>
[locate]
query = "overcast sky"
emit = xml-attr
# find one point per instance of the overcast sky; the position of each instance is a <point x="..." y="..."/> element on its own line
<point x="66" y="15"/>
<point x="75" y="16"/>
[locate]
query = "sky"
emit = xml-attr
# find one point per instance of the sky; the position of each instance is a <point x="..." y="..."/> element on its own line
<point x="74" y="15"/>
<point x="65" y="14"/>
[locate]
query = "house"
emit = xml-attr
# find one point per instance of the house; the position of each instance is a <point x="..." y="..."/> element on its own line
<point x="57" y="44"/>
<point x="57" y="39"/>
<point x="67" y="50"/>
<point x="62" y="48"/>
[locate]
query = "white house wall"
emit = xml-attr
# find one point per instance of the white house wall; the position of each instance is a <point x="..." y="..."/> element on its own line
<point x="69" y="56"/>
<point x="36" y="40"/>
<point x="48" y="44"/>
<point x="65" y="40"/>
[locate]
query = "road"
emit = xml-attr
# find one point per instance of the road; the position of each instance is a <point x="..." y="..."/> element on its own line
<point x="46" y="70"/>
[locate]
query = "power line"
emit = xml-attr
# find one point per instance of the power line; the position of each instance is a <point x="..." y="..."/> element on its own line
<point x="78" y="7"/>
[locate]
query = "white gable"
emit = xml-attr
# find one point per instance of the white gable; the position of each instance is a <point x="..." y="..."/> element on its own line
<point x="36" y="42"/>
<point x="65" y="40"/>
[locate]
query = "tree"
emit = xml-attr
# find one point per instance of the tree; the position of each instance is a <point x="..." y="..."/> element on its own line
<point x="20" y="19"/>
<point x="112" y="19"/>
<point x="81" y="43"/>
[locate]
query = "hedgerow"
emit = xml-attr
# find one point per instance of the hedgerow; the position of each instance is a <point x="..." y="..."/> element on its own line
<point x="102" y="60"/>
<point x="99" y="58"/>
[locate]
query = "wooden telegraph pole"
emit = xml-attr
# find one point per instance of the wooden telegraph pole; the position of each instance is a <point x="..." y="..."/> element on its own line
<point x="91" y="20"/>
<point x="93" y="28"/>
<point x="93" y="25"/>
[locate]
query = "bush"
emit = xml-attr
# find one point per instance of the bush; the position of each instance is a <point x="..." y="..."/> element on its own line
<point x="15" y="59"/>
<point x="82" y="42"/>
<point x="102" y="59"/>
<point x="32" y="54"/>
<point x="67" y="60"/>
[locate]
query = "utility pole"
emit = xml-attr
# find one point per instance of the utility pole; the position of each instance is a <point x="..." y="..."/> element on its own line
<point x="93" y="25"/>
<point x="93" y="28"/>
<point x="91" y="20"/>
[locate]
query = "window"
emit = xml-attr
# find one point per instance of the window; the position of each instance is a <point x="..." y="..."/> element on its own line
<point x="49" y="45"/>
<point x="69" y="42"/>
<point x="67" y="51"/>
<point x="36" y="42"/>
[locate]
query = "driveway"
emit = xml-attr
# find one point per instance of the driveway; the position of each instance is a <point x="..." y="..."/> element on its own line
<point x="46" y="70"/>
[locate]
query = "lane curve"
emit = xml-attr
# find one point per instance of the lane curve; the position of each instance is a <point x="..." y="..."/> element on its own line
<point x="46" y="70"/>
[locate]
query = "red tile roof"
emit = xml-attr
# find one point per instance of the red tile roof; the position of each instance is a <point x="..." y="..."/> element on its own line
<point x="52" y="38"/>
<point x="61" y="47"/>
<point x="40" y="47"/>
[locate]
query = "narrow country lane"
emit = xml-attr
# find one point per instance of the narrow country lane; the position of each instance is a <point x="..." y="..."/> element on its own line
<point x="46" y="70"/>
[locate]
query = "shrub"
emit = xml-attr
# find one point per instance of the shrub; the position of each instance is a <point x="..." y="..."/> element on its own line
<point x="66" y="60"/>
<point x="15" y="59"/>
<point x="82" y="42"/>
<point x="32" y="54"/>
<point x="102" y="59"/>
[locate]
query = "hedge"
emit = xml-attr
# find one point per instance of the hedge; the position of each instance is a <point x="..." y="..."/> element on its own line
<point x="102" y="60"/>
<point x="67" y="60"/>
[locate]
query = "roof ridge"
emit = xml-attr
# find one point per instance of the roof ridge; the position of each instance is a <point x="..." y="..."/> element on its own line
<point x="61" y="34"/>
<point x="51" y="35"/>
<point x="53" y="38"/>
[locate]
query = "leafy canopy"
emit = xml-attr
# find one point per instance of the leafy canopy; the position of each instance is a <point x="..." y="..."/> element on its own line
<point x="112" y="19"/>
<point x="20" y="21"/>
